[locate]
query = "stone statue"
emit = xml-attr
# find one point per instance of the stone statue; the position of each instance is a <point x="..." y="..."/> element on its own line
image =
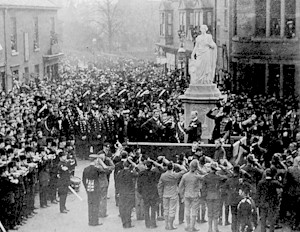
<point x="204" y="59"/>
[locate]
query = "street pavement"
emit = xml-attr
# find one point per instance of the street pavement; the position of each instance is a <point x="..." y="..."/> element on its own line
<point x="51" y="220"/>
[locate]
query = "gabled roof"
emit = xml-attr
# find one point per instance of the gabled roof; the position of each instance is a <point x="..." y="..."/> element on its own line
<point x="31" y="4"/>
<point x="186" y="4"/>
<point x="203" y="4"/>
<point x="165" y="5"/>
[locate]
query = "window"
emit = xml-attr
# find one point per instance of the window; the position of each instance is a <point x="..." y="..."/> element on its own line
<point x="15" y="74"/>
<point x="274" y="79"/>
<point x="275" y="13"/>
<point x="13" y="37"/>
<point x="260" y="12"/>
<point x="182" y="21"/>
<point x="259" y="71"/>
<point x="207" y="20"/>
<point x="225" y="3"/>
<point x="290" y="18"/>
<point x="162" y="24"/>
<point x="191" y="19"/>
<point x="197" y="18"/>
<point x="36" y="33"/>
<point x="235" y="18"/>
<point x="226" y="18"/>
<point x="289" y="80"/>
<point x="170" y="24"/>
<point x="52" y="19"/>
<point x="37" y="69"/>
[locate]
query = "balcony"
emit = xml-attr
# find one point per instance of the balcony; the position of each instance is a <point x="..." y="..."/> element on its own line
<point x="265" y="48"/>
<point x="54" y="53"/>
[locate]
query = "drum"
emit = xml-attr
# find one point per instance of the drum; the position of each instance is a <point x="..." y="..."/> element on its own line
<point x="75" y="183"/>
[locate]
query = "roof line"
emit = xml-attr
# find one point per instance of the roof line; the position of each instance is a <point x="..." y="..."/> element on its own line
<point x="30" y="7"/>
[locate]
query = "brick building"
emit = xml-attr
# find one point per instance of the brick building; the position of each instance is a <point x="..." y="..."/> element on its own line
<point x="266" y="46"/>
<point x="28" y="40"/>
<point x="177" y="16"/>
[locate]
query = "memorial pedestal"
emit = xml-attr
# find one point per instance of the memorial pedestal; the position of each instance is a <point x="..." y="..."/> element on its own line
<point x="201" y="98"/>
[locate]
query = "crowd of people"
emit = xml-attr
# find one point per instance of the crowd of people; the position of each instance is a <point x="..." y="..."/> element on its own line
<point x="48" y="125"/>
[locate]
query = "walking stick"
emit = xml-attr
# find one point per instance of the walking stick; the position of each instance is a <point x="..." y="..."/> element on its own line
<point x="2" y="227"/>
<point x="73" y="191"/>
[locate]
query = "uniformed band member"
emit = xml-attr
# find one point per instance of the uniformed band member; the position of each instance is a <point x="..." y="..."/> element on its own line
<point x="63" y="181"/>
<point x="91" y="182"/>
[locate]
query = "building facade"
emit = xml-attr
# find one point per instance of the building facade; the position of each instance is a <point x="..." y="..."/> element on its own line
<point x="266" y="47"/>
<point x="29" y="45"/>
<point x="184" y="17"/>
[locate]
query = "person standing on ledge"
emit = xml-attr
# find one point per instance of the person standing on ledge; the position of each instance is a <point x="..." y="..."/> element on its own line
<point x="203" y="59"/>
<point x="194" y="130"/>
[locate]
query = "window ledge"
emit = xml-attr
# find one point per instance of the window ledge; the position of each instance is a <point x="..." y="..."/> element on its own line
<point x="265" y="39"/>
<point x="14" y="53"/>
<point x="274" y="39"/>
<point x="36" y="50"/>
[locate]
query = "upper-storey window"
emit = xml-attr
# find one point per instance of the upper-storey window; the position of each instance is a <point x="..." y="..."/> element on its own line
<point x="182" y="21"/>
<point x="13" y="37"/>
<point x="162" y="24"/>
<point x="207" y="20"/>
<point x="290" y="18"/>
<point x="275" y="18"/>
<point x="260" y="12"/>
<point x="197" y="20"/>
<point x="52" y="19"/>
<point x="170" y="24"/>
<point x="36" y="44"/>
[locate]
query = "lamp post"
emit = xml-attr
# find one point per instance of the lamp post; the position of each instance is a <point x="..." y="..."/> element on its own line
<point x="181" y="51"/>
<point x="161" y="58"/>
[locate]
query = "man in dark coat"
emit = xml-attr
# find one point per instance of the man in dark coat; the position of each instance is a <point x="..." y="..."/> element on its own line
<point x="63" y="181"/>
<point x="268" y="200"/>
<point x="147" y="187"/>
<point x="126" y="185"/>
<point x="153" y="128"/>
<point x="233" y="185"/>
<point x="223" y="123"/>
<point x="194" y="130"/>
<point x="91" y="182"/>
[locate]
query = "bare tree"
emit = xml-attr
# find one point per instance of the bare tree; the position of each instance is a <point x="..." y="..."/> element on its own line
<point x="105" y="15"/>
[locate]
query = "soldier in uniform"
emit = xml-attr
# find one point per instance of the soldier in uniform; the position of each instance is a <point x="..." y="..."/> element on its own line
<point x="96" y="131"/>
<point x="53" y="171"/>
<point x="109" y="126"/>
<point x="153" y="128"/>
<point x="63" y="181"/>
<point x="108" y="167"/>
<point x="120" y="124"/>
<point x="91" y="182"/>
<point x="82" y="149"/>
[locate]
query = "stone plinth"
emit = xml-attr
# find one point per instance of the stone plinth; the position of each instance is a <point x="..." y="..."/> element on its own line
<point x="201" y="98"/>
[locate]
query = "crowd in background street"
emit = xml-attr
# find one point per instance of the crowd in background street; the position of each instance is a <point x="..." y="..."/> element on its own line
<point x="47" y="125"/>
